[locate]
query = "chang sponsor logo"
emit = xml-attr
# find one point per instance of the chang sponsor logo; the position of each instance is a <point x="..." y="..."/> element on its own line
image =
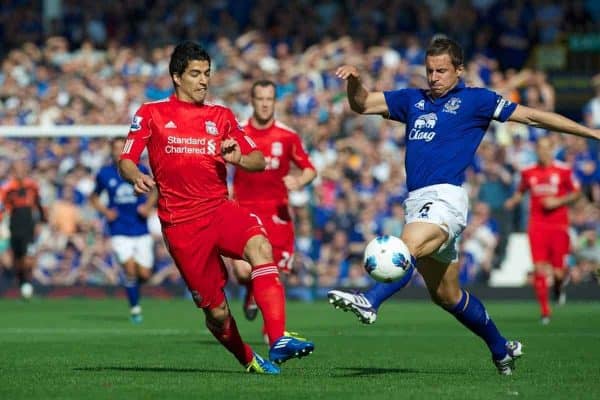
<point x="422" y="128"/>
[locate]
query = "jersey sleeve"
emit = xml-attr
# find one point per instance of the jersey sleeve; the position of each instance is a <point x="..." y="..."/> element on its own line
<point x="397" y="103"/>
<point x="524" y="183"/>
<point x="299" y="156"/>
<point x="99" y="186"/>
<point x="494" y="106"/>
<point x="234" y="130"/>
<point x="571" y="182"/>
<point x="139" y="134"/>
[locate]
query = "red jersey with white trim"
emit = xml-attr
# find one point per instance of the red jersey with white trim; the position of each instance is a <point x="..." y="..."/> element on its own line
<point x="548" y="181"/>
<point x="280" y="146"/>
<point x="184" y="149"/>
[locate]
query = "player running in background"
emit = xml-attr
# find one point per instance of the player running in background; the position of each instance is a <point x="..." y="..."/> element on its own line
<point x="189" y="143"/>
<point x="444" y="126"/>
<point x="20" y="198"/>
<point x="552" y="187"/>
<point x="127" y="217"/>
<point x="265" y="193"/>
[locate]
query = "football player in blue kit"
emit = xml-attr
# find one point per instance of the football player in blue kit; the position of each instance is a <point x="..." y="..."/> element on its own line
<point x="127" y="215"/>
<point x="444" y="126"/>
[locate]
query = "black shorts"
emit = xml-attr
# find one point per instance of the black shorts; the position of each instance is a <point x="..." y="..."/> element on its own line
<point x="21" y="244"/>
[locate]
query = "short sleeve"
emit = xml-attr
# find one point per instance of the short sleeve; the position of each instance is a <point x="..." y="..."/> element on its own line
<point x="299" y="155"/>
<point x="99" y="188"/>
<point x="398" y="103"/>
<point x="139" y="133"/>
<point x="234" y="130"/>
<point x="494" y="106"/>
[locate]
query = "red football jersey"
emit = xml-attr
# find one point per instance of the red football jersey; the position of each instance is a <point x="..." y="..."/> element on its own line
<point x="184" y="149"/>
<point x="280" y="145"/>
<point x="550" y="181"/>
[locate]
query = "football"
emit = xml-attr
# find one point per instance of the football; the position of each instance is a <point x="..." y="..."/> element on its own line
<point x="386" y="258"/>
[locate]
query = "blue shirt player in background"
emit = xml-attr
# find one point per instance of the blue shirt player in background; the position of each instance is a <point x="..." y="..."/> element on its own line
<point x="444" y="126"/>
<point x="126" y="214"/>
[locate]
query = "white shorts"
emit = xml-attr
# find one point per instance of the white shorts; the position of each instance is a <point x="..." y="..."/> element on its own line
<point x="444" y="205"/>
<point x="138" y="248"/>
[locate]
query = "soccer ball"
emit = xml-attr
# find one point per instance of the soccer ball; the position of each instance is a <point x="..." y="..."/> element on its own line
<point x="387" y="258"/>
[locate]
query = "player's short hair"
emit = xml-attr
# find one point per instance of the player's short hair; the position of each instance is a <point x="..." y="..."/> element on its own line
<point x="444" y="45"/>
<point x="184" y="53"/>
<point x="261" y="83"/>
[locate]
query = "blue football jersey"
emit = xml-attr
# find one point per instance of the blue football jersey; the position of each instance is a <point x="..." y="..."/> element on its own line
<point x="122" y="198"/>
<point x="443" y="134"/>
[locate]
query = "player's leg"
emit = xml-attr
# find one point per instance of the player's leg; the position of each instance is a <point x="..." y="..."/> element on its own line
<point x="441" y="278"/>
<point x="242" y="235"/>
<point x="23" y="264"/>
<point x="123" y="248"/>
<point x="242" y="271"/>
<point x="558" y="258"/>
<point x="140" y="270"/>
<point x="541" y="245"/>
<point x="193" y="249"/>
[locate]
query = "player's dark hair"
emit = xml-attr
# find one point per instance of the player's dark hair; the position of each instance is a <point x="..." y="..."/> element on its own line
<point x="261" y="83"/>
<point x="184" y="53"/>
<point x="444" y="45"/>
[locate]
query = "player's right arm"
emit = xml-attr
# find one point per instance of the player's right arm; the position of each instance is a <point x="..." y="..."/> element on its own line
<point x="552" y="121"/>
<point x="139" y="134"/>
<point x="516" y="198"/>
<point x="360" y="99"/>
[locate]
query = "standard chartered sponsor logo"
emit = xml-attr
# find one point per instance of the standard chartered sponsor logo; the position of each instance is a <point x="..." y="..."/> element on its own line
<point x="190" y="145"/>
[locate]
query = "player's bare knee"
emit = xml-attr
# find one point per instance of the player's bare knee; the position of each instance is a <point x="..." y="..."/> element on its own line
<point x="258" y="250"/>
<point x="144" y="274"/>
<point x="217" y="315"/>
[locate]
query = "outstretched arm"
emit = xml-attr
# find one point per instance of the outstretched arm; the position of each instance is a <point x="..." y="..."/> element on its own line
<point x="360" y="99"/>
<point x="551" y="121"/>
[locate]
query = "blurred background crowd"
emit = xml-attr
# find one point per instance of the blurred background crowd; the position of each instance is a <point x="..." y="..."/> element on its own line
<point x="94" y="63"/>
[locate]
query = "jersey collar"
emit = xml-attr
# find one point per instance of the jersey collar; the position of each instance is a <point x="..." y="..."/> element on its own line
<point x="459" y="86"/>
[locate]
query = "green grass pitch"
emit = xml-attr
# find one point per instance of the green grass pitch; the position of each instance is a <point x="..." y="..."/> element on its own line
<point x="87" y="349"/>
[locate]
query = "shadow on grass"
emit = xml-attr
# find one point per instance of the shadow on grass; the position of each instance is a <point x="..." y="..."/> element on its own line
<point x="154" y="369"/>
<point x="372" y="371"/>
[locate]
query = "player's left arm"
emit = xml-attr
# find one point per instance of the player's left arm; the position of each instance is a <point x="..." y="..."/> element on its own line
<point x="239" y="149"/>
<point x="573" y="193"/>
<point x="302" y="161"/>
<point x="552" y="121"/>
<point x="39" y="206"/>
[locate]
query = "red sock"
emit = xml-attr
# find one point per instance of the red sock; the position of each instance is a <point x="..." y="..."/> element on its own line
<point x="264" y="328"/>
<point x="269" y="296"/>
<point x="229" y="336"/>
<point x="540" y="285"/>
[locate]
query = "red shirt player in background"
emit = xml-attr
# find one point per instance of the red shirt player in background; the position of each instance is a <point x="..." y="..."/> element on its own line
<point x="265" y="193"/>
<point x="552" y="187"/>
<point x="20" y="197"/>
<point x="189" y="142"/>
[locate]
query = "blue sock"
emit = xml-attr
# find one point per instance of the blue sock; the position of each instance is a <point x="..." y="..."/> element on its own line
<point x="472" y="314"/>
<point x="133" y="291"/>
<point x="382" y="291"/>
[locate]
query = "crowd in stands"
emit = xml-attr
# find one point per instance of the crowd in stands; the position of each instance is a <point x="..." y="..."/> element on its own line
<point x="96" y="62"/>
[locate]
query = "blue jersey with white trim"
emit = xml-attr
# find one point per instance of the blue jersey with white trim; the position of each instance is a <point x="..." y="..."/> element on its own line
<point x="443" y="134"/>
<point x="122" y="198"/>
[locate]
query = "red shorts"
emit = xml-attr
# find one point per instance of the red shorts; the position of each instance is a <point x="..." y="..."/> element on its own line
<point x="549" y="245"/>
<point x="280" y="231"/>
<point x="197" y="246"/>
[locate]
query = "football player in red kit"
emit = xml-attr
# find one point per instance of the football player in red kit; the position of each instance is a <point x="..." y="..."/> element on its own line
<point x="552" y="187"/>
<point x="265" y="193"/>
<point x="189" y="142"/>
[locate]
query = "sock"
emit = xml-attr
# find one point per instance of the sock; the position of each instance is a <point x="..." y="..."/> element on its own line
<point x="472" y="314"/>
<point x="540" y="286"/>
<point x="133" y="291"/>
<point x="269" y="296"/>
<point x="382" y="291"/>
<point x="21" y="277"/>
<point x="229" y="336"/>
